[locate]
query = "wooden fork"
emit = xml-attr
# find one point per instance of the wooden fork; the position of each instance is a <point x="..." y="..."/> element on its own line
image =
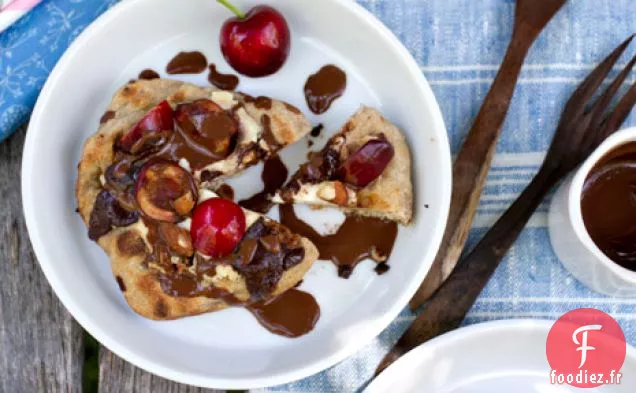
<point x="473" y="160"/>
<point x="583" y="126"/>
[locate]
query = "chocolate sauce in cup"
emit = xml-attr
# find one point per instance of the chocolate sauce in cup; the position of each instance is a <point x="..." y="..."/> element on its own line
<point x="608" y="205"/>
<point x="592" y="218"/>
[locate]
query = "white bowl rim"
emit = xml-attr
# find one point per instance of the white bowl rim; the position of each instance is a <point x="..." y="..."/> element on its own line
<point x="574" y="201"/>
<point x="490" y="328"/>
<point x="149" y="365"/>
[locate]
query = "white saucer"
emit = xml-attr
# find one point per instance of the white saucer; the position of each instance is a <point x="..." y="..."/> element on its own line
<point x="494" y="357"/>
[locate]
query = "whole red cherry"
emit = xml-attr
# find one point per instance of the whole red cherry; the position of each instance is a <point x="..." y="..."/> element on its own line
<point x="255" y="44"/>
<point x="218" y="225"/>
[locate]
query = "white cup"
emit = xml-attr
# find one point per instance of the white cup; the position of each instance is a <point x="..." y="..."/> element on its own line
<point x="570" y="239"/>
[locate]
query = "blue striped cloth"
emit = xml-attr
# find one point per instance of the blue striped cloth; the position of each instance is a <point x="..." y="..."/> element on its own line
<point x="458" y="45"/>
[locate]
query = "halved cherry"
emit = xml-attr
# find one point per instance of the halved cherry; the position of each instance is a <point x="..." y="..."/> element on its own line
<point x="159" y="119"/>
<point x="208" y="125"/>
<point x="165" y="191"/>
<point x="190" y="116"/>
<point x="366" y="164"/>
<point x="218" y="225"/>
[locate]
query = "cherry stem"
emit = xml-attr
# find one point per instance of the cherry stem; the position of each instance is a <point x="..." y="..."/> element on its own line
<point x="232" y="8"/>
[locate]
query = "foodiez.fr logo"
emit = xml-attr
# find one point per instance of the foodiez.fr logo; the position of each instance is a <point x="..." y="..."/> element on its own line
<point x="586" y="348"/>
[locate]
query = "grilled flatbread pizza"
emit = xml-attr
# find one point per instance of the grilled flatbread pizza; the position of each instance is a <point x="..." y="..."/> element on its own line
<point x="176" y="249"/>
<point x="364" y="169"/>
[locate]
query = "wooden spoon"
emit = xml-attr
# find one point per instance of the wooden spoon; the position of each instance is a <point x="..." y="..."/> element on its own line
<point x="474" y="158"/>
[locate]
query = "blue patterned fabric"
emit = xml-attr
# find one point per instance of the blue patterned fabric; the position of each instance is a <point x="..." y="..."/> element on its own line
<point x="458" y="45"/>
<point x="30" y="48"/>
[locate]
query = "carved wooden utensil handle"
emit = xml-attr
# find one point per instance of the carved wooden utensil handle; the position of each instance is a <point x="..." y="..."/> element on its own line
<point x="449" y="305"/>
<point x="584" y="125"/>
<point x="474" y="159"/>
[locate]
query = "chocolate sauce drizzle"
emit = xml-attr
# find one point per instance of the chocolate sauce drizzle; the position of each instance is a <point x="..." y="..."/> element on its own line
<point x="222" y="81"/>
<point x="148" y="74"/>
<point x="187" y="285"/>
<point x="260" y="102"/>
<point x="315" y="132"/>
<point x="108" y="115"/>
<point x="274" y="175"/>
<point x="199" y="150"/>
<point x="225" y="191"/>
<point x="324" y="87"/>
<point x="357" y="238"/>
<point x="292" y="314"/>
<point x="187" y="63"/>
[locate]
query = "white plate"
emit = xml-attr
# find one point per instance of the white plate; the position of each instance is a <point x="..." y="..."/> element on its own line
<point x="229" y="349"/>
<point x="494" y="357"/>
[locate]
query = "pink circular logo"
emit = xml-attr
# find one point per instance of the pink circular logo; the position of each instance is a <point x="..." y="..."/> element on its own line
<point x="586" y="348"/>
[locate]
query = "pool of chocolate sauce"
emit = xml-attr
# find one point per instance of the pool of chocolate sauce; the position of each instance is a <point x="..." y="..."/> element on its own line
<point x="292" y="314"/>
<point x="324" y="87"/>
<point x="187" y="63"/>
<point x="358" y="238"/>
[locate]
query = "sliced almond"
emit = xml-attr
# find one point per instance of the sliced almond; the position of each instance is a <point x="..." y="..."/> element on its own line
<point x="184" y="204"/>
<point x="377" y="256"/>
<point x="162" y="256"/>
<point x="334" y="192"/>
<point x="177" y="239"/>
<point x="249" y="157"/>
<point x="327" y="192"/>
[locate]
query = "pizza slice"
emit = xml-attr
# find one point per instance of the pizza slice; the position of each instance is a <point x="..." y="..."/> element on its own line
<point x="143" y="191"/>
<point x="364" y="169"/>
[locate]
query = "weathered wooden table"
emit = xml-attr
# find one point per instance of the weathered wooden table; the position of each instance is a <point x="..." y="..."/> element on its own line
<point x="42" y="348"/>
